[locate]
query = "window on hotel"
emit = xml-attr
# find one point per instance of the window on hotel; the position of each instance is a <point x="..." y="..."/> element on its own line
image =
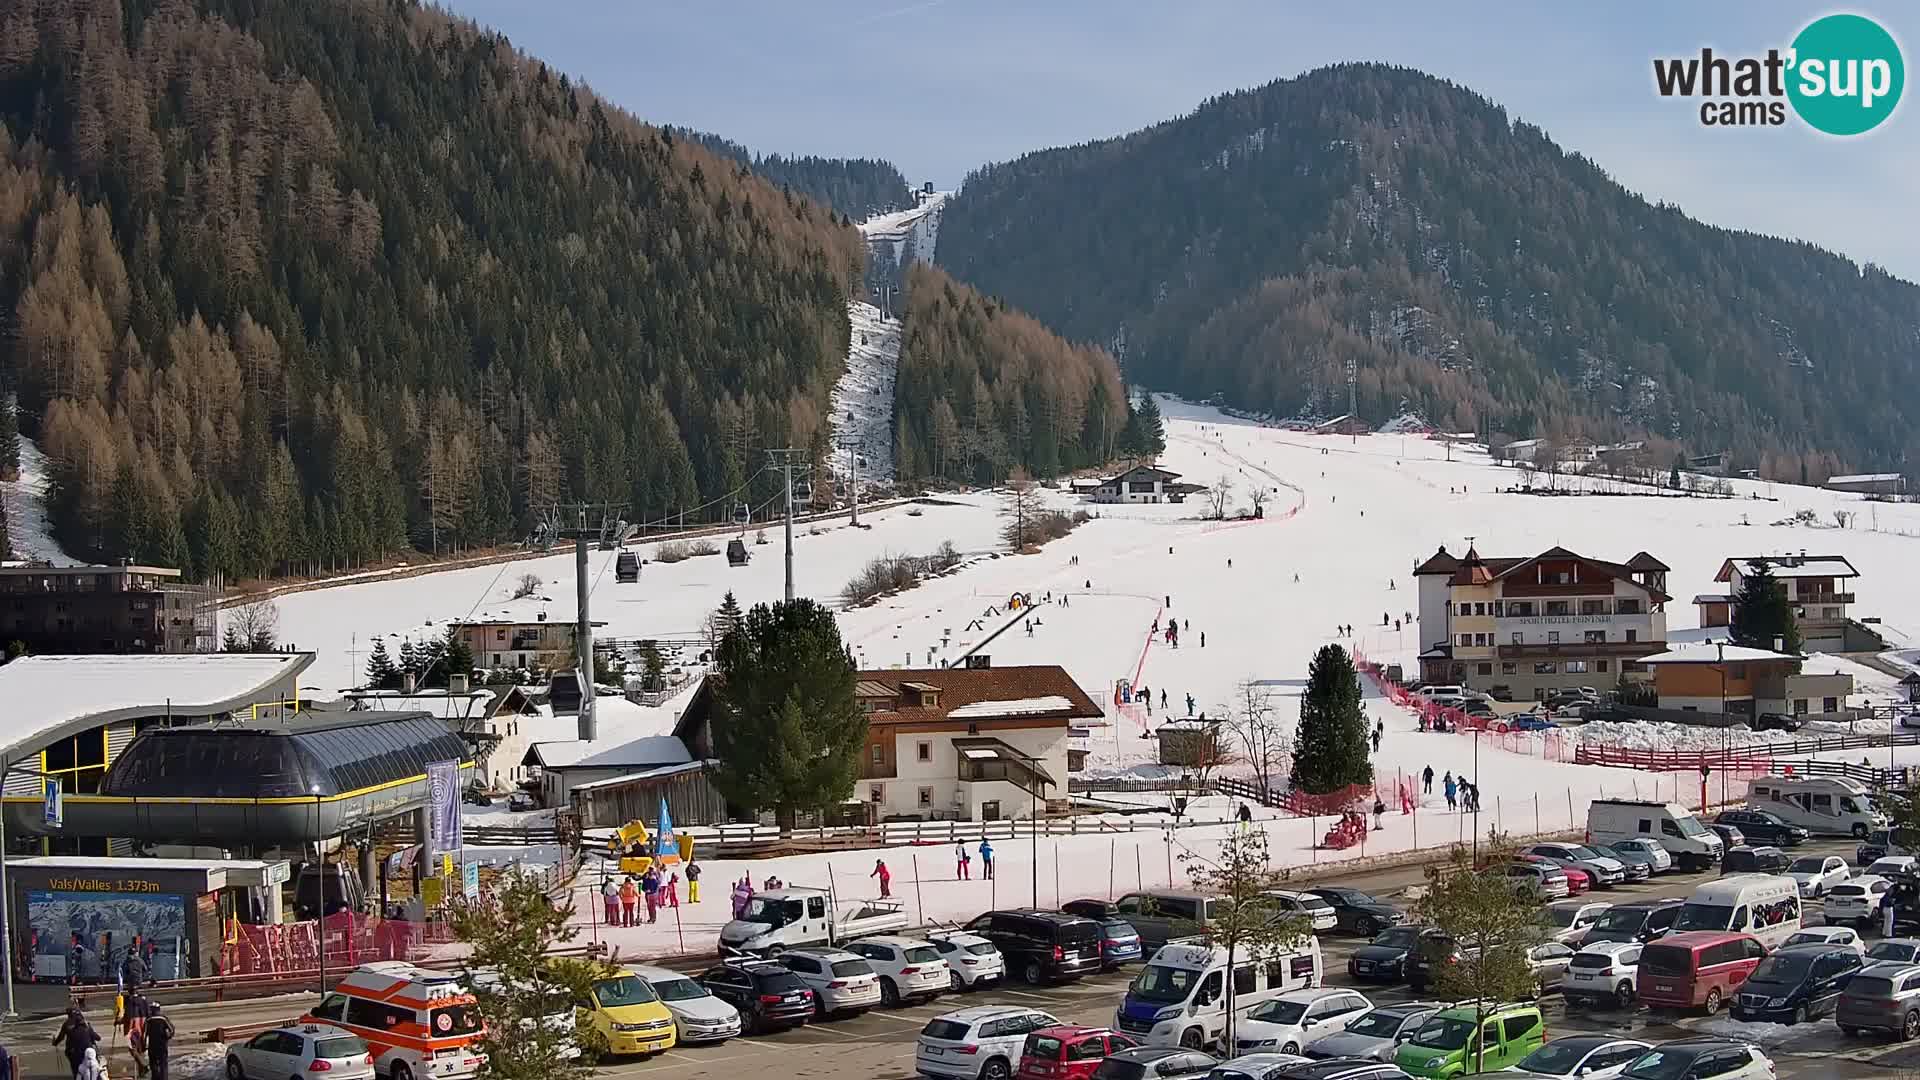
<point x="1553" y="637"/>
<point x="923" y="751"/>
<point x="1593" y="607"/>
<point x="1799" y="706"/>
<point x="1830" y="705"/>
<point x="1626" y="606"/>
<point x="1600" y="667"/>
<point x="926" y="796"/>
<point x="879" y="754"/>
<point x="1466" y="639"/>
<point x="1546" y="667"/>
<point x="1596" y="637"/>
<point x="1509" y="668"/>
<point x="1519" y="638"/>
<point x="1486" y="669"/>
<point x="1576" y="667"/>
<point x="1479" y="609"/>
<point x="1520" y="609"/>
<point x="1482" y="639"/>
<point x="1559" y="607"/>
<point x="1633" y="635"/>
<point x="1830" y="613"/>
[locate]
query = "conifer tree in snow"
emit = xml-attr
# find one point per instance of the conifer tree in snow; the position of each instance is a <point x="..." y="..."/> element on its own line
<point x="1330" y="746"/>
<point x="1761" y="613"/>
<point x="382" y="674"/>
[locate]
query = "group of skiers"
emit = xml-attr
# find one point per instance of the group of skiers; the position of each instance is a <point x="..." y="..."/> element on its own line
<point x="623" y="900"/>
<point x="149" y="1035"/>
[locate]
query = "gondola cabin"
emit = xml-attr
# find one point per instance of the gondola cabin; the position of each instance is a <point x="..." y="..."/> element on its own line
<point x="737" y="553"/>
<point x="626" y="568"/>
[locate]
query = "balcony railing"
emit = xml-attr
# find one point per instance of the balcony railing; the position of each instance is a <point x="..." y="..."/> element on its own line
<point x="1824" y="598"/>
<point x="1582" y="648"/>
<point x="1013" y="772"/>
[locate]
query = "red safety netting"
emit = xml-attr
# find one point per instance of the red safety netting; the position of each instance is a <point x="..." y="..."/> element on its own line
<point x="351" y="939"/>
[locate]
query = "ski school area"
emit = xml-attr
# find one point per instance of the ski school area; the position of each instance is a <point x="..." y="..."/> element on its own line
<point x="1151" y="598"/>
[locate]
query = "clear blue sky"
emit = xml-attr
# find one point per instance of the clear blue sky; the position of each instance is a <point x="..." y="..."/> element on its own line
<point x="941" y="86"/>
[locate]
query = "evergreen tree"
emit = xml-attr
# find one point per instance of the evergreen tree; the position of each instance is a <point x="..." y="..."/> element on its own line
<point x="1330" y="745"/>
<point x="410" y="665"/>
<point x="382" y="673"/>
<point x="1153" y="431"/>
<point x="653" y="666"/>
<point x="510" y="933"/>
<point x="787" y="731"/>
<point x="1762" y="613"/>
<point x="1673" y="476"/>
<point x="456" y="656"/>
<point x="9" y="438"/>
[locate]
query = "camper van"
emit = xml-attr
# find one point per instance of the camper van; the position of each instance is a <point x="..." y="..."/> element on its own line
<point x="1183" y="990"/>
<point x="1693" y="845"/>
<point x="1764" y="905"/>
<point x="1823" y="805"/>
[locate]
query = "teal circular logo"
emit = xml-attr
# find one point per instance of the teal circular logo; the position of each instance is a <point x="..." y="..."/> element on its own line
<point x="1847" y="74"/>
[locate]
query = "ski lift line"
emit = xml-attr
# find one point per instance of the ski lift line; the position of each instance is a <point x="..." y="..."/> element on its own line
<point x="667" y="518"/>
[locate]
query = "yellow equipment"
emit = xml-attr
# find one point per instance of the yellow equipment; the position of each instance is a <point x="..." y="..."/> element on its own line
<point x="634" y="836"/>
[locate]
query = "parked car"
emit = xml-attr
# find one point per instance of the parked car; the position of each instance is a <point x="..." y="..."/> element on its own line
<point x="843" y="984"/>
<point x="1119" y="940"/>
<point x="1815" y="874"/>
<point x="1696" y="969"/>
<point x="1156" y="1063"/>
<point x="1776" y="721"/>
<point x="301" y="1051"/>
<point x="1856" y="902"/>
<point x="1318" y="913"/>
<point x="767" y="996"/>
<point x="909" y="969"/>
<point x="473" y="796"/>
<point x="1478" y="708"/>
<point x="1641" y="921"/>
<point x="521" y="801"/>
<point x="1900" y="950"/>
<point x="1447" y="1045"/>
<point x="972" y="961"/>
<point x="1701" y="1059"/>
<point x="1435" y="949"/>
<point x="1605" y="872"/>
<point x="1892" y="866"/>
<point x="1256" y="1067"/>
<point x="1296" y="1018"/>
<point x="1639" y="864"/>
<point x="1549" y="960"/>
<point x="1796" y="984"/>
<point x="1540" y="880"/>
<point x="1881" y="843"/>
<point x="1043" y="946"/>
<point x="1359" y="913"/>
<point x="1729" y="835"/>
<point x="1589" y="1057"/>
<point x="1881" y="997"/>
<point x="1754" y="860"/>
<point x="1068" y="1052"/>
<point x="1500" y="692"/>
<point x="1654" y="850"/>
<point x="1602" y="973"/>
<point x="1341" y="1069"/>
<point x="698" y="1015"/>
<point x="1569" y="920"/>
<point x="1375" y="1034"/>
<point x="982" y="1043"/>
<point x="1764" y="826"/>
<point x="1384" y="959"/>
<point x="1829" y="935"/>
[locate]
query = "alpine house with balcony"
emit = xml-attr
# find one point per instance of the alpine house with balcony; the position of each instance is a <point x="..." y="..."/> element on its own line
<point x="1820" y="588"/>
<point x="1539" y="623"/>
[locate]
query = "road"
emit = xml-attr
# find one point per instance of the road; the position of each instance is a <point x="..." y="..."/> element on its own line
<point x="879" y="1044"/>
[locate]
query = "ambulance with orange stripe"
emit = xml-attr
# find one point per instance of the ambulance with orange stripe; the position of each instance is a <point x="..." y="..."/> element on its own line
<point x="419" y="1024"/>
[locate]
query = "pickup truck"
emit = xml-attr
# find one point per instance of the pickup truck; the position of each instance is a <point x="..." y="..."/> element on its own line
<point x="792" y="918"/>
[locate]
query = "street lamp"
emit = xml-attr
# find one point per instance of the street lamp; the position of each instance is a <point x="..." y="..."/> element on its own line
<point x="320" y="922"/>
<point x="1720" y="661"/>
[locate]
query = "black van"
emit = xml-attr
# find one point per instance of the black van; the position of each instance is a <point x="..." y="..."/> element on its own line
<point x="1042" y="946"/>
<point x="1742" y="859"/>
<point x="1643" y="921"/>
<point x="1796" y="984"/>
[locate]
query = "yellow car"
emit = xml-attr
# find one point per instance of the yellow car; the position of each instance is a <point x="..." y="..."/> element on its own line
<point x="629" y="1016"/>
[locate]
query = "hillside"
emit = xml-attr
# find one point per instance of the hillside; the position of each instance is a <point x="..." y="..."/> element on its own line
<point x="288" y="287"/>
<point x="1469" y="267"/>
<point x="857" y="188"/>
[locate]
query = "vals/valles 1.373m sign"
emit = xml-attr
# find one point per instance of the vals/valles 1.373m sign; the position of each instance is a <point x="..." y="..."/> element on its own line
<point x="1843" y="75"/>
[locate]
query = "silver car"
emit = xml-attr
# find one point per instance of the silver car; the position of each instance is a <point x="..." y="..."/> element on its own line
<point x="1376" y="1034"/>
<point x="843" y="984"/>
<point x="304" y="1052"/>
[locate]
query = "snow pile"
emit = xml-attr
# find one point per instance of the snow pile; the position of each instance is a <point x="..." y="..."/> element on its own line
<point x="26" y="502"/>
<point x="1768" y="1036"/>
<point x="863" y="399"/>
<point x="1407" y="423"/>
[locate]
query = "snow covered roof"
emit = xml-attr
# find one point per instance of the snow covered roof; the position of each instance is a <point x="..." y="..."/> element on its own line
<point x="1705" y="653"/>
<point x="608" y="753"/>
<point x="1788" y="566"/>
<point x="1017" y="707"/>
<point x="475" y="704"/>
<point x="67" y="694"/>
<point x="643" y="774"/>
<point x="1864" y="478"/>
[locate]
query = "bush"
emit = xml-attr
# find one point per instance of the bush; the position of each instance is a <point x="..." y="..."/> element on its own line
<point x="895" y="573"/>
<point x="1054" y="524"/>
<point x="674" y="551"/>
<point x="528" y="585"/>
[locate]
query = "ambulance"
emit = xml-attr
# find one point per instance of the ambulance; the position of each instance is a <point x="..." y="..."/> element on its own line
<point x="418" y="1024"/>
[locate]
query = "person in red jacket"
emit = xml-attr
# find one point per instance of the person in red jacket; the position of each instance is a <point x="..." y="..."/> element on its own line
<point x="885" y="875"/>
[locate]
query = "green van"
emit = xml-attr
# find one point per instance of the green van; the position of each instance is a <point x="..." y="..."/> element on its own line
<point x="1443" y="1048"/>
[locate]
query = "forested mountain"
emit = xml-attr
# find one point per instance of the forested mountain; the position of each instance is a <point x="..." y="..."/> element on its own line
<point x="1467" y="266"/>
<point x="290" y="286"/>
<point x="856" y="187"/>
<point x="983" y="388"/>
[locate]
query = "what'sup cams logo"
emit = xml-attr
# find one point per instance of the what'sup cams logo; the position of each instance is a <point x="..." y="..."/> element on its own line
<point x="1842" y="75"/>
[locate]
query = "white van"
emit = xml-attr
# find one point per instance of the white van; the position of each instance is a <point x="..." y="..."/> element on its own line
<point x="1693" y="845"/>
<point x="1764" y="905"/>
<point x="1823" y="805"/>
<point x="1447" y="694"/>
<point x="1183" y="989"/>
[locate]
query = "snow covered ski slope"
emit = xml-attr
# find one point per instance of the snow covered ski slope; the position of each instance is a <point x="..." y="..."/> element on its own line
<point x="863" y="398"/>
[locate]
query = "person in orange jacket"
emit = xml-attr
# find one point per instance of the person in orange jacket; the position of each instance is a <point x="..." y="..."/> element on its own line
<point x="629" y="899"/>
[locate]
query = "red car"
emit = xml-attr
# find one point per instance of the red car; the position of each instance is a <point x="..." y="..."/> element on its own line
<point x="1069" y="1052"/>
<point x="1578" y="880"/>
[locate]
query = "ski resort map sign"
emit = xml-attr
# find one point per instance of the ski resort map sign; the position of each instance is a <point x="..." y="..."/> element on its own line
<point x="443" y="807"/>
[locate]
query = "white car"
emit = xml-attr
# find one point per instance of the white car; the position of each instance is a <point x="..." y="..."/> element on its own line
<point x="1308" y="906"/>
<point x="842" y="983"/>
<point x="972" y="961"/>
<point x="698" y="1016"/>
<point x="1904" y="950"/>
<point x="1816" y="874"/>
<point x="1651" y="848"/>
<point x="1890" y="865"/>
<point x="1702" y="1058"/>
<point x="1602" y="973"/>
<point x="910" y="969"/>
<point x="1571" y="919"/>
<point x="1296" y="1018"/>
<point x="304" y="1052"/>
<point x="1829" y="935"/>
<point x="974" y="1043"/>
<point x="1591" y="1057"/>
<point x="1856" y="901"/>
<point x="1605" y="872"/>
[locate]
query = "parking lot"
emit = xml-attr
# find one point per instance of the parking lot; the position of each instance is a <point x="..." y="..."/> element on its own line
<point x="880" y="1043"/>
